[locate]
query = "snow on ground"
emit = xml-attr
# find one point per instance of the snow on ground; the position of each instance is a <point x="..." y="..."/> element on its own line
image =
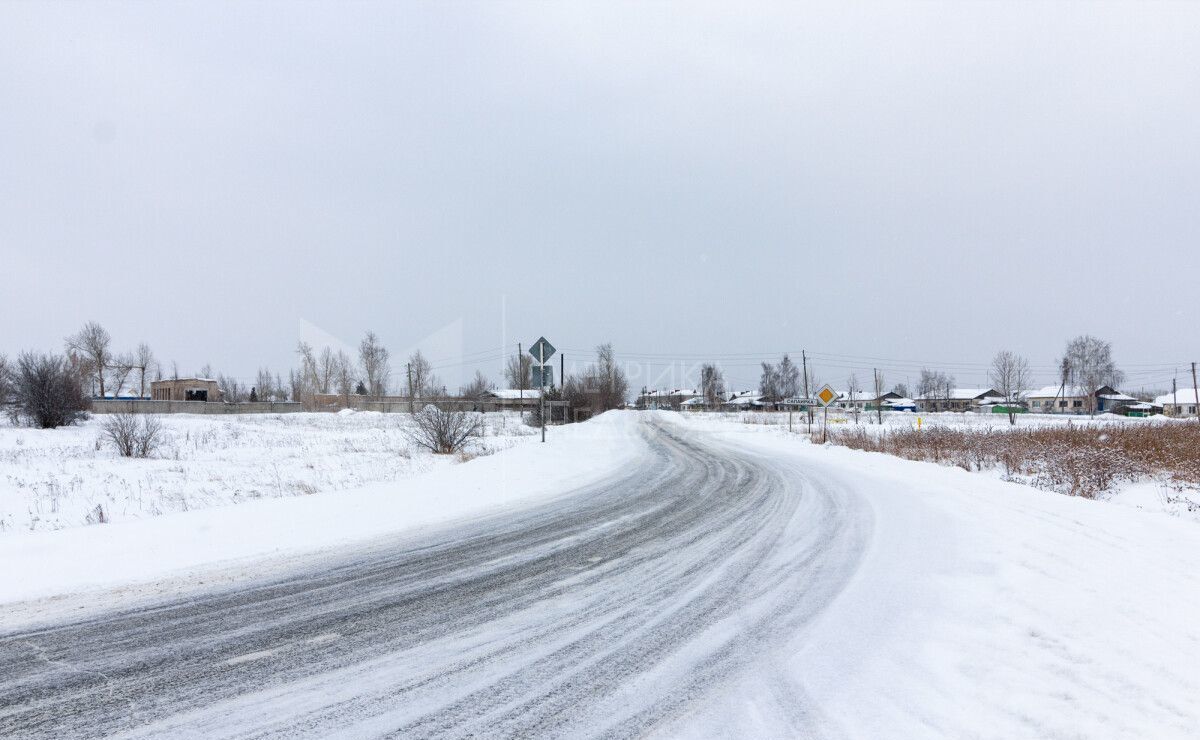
<point x="1149" y="495"/>
<point x="985" y="609"/>
<point x="348" y="450"/>
<point x="57" y="478"/>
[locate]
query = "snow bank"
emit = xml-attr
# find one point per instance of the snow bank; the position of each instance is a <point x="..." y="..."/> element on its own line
<point x="43" y="564"/>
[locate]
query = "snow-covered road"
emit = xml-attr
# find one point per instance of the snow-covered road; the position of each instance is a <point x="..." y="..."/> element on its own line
<point x="610" y="611"/>
<point x="726" y="583"/>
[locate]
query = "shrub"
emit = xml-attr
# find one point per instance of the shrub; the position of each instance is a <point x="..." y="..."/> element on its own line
<point x="444" y="432"/>
<point x="1076" y="460"/>
<point x="133" y="435"/>
<point x="49" y="392"/>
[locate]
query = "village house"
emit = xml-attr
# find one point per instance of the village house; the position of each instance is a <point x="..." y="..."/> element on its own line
<point x="960" y="399"/>
<point x="744" y="401"/>
<point x="1180" y="403"/>
<point x="1055" y="399"/>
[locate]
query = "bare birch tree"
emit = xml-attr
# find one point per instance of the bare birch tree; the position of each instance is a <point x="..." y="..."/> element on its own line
<point x="1089" y="365"/>
<point x="373" y="357"/>
<point x="518" y="371"/>
<point x="712" y="385"/>
<point x="92" y="344"/>
<point x="143" y="360"/>
<point x="1010" y="377"/>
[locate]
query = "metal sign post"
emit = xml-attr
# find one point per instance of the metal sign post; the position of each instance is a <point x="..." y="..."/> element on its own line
<point x="543" y="351"/>
<point x="826" y="396"/>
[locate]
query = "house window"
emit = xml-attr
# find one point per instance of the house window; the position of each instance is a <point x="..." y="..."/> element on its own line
<point x="1037" y="403"/>
<point x="1077" y="404"/>
<point x="1062" y="404"/>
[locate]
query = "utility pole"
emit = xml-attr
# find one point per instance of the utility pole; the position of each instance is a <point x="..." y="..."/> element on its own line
<point x="1195" y="393"/>
<point x="408" y="372"/>
<point x="1066" y="368"/>
<point x="879" y="391"/>
<point x="1175" y="393"/>
<point x="807" y="400"/>
<point x="520" y="382"/>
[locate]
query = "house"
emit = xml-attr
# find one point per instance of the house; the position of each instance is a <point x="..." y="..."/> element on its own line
<point x="672" y="399"/>
<point x="511" y="398"/>
<point x="743" y="401"/>
<point x="1055" y="399"/>
<point x="1180" y="403"/>
<point x="960" y="399"/>
<point x="186" y="389"/>
<point x="694" y="404"/>
<point x="864" y="400"/>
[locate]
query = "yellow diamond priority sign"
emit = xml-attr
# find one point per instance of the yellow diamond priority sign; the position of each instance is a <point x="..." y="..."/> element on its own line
<point x="827" y="395"/>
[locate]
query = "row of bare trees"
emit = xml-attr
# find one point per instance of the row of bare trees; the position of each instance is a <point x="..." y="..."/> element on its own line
<point x="111" y="371"/>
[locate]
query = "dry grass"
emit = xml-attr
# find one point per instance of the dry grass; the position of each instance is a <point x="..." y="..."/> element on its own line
<point x="1078" y="460"/>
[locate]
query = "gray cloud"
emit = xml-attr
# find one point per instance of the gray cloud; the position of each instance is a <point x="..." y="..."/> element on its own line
<point x="957" y="177"/>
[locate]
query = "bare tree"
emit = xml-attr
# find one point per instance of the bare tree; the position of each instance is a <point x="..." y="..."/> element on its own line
<point x="712" y="385"/>
<point x="373" y="357"/>
<point x="6" y="381"/>
<point x="1088" y="365"/>
<point x="326" y="370"/>
<point x="853" y="391"/>
<point x="934" y="385"/>
<point x="1010" y="376"/>
<point x="92" y="345"/>
<point x="901" y="389"/>
<point x="232" y="389"/>
<point x="421" y="381"/>
<point x="612" y="385"/>
<point x="789" y="378"/>
<point x="49" y="390"/>
<point x="265" y="383"/>
<point x="768" y="383"/>
<point x="143" y="360"/>
<point x="119" y="371"/>
<point x="344" y="379"/>
<point x="519" y="371"/>
<point x="444" y="432"/>
<point x="477" y="388"/>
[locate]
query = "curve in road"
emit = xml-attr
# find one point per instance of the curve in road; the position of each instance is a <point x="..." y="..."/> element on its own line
<point x="611" y="611"/>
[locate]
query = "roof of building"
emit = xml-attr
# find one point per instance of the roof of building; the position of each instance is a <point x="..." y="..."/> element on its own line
<point x="510" y="394"/>
<point x="1184" y="395"/>
<point x="744" y="398"/>
<point x="965" y="394"/>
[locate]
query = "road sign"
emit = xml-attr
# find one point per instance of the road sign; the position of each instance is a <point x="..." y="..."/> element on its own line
<point x="543" y="375"/>
<point x="826" y="395"/>
<point x="542" y="350"/>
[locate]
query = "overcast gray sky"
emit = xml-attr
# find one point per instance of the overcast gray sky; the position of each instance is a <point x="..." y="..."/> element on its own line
<point x="221" y="179"/>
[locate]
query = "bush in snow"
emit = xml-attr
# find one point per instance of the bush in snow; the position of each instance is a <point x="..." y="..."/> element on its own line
<point x="49" y="391"/>
<point x="1079" y="460"/>
<point x="444" y="432"/>
<point x="133" y="435"/>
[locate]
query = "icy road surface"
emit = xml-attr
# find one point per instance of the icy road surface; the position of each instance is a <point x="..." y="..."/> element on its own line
<point x="611" y="611"/>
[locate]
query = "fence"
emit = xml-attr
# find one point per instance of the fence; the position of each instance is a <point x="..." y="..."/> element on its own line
<point x="147" y="406"/>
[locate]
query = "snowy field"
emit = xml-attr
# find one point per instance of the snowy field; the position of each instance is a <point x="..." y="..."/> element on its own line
<point x="948" y="419"/>
<point x="58" y="478"/>
<point x="1149" y="493"/>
